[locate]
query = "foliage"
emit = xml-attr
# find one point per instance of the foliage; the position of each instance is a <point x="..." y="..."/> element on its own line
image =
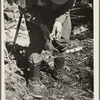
<point x="75" y="75"/>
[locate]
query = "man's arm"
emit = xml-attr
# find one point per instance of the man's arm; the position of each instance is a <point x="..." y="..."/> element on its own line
<point x="63" y="13"/>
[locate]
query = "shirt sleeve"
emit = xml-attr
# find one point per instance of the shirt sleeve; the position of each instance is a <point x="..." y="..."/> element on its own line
<point x="64" y="11"/>
<point x="62" y="17"/>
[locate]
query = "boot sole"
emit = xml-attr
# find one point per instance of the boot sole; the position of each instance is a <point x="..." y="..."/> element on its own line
<point x="36" y="96"/>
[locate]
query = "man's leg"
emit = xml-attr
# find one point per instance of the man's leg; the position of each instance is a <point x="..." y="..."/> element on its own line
<point x="34" y="82"/>
<point x="66" y="31"/>
<point x="63" y="41"/>
<point x="36" y="45"/>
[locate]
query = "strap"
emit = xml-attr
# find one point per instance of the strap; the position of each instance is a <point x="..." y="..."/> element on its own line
<point x="18" y="26"/>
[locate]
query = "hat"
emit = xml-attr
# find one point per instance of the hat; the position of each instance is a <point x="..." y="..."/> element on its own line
<point x="59" y="1"/>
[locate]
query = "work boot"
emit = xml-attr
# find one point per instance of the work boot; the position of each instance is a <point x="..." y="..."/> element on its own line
<point x="34" y="84"/>
<point x="35" y="89"/>
<point x="59" y="62"/>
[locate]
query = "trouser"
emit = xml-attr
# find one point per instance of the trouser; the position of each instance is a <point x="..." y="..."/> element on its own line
<point x="37" y="41"/>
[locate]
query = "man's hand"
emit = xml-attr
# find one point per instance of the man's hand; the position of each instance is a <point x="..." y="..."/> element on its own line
<point x="56" y="31"/>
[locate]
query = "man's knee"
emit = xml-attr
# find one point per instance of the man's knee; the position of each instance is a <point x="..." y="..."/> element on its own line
<point x="66" y="31"/>
<point x="34" y="58"/>
<point x="67" y="28"/>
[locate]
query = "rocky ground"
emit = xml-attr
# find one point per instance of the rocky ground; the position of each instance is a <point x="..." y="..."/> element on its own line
<point x="76" y="74"/>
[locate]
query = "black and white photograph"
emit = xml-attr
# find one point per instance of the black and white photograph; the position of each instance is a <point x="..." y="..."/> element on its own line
<point x="48" y="49"/>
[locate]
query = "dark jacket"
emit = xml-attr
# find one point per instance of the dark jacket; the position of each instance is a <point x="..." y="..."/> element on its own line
<point x="39" y="13"/>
